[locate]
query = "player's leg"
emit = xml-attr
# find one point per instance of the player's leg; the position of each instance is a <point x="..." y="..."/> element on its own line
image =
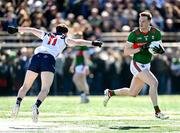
<point x="135" y="88"/>
<point x="85" y="89"/>
<point x="77" y="81"/>
<point x="85" y="85"/>
<point x="28" y="81"/>
<point x="148" y="77"/>
<point x="46" y="82"/>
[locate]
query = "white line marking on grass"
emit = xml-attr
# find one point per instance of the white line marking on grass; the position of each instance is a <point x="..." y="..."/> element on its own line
<point x="28" y="126"/>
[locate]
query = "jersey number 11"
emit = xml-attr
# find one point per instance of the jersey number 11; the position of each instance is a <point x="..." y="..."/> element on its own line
<point x="52" y="40"/>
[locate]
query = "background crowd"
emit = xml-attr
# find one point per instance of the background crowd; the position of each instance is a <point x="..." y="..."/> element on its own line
<point x="94" y="15"/>
<point x="109" y="68"/>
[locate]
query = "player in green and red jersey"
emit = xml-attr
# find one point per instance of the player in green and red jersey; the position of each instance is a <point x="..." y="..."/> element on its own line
<point x="137" y="45"/>
<point x="80" y="69"/>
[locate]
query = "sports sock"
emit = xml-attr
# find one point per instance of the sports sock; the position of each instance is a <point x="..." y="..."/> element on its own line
<point x="18" y="101"/>
<point x="38" y="103"/>
<point x="112" y="93"/>
<point x="157" y="110"/>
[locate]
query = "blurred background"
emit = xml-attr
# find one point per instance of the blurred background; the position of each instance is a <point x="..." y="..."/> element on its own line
<point x="107" y="20"/>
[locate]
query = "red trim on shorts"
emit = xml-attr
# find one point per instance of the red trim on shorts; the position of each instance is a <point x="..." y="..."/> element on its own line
<point x="136" y="66"/>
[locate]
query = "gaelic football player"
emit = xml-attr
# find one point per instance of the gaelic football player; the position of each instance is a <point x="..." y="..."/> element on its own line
<point x="137" y="45"/>
<point x="43" y="62"/>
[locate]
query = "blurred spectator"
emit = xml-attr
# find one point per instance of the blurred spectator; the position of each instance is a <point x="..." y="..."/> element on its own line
<point x="23" y="12"/>
<point x="117" y="27"/>
<point x="129" y="13"/>
<point x="92" y="17"/>
<point x="175" y="69"/>
<point x="71" y="18"/>
<point x="107" y="22"/>
<point x="98" y="70"/>
<point x="160" y="68"/>
<point x="121" y="16"/>
<point x="50" y="14"/>
<point x="116" y="78"/>
<point x="54" y="22"/>
<point x="58" y="78"/>
<point x="11" y="18"/>
<point x="95" y="19"/>
<point x="68" y="86"/>
<point x="169" y="26"/>
<point x="141" y="6"/>
<point x="2" y="10"/>
<point x="157" y="20"/>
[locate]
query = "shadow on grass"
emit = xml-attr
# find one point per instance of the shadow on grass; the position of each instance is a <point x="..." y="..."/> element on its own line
<point x="129" y="127"/>
<point x="28" y="128"/>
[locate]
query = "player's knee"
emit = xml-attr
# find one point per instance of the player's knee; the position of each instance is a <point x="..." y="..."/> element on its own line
<point x="24" y="87"/>
<point x="154" y="84"/>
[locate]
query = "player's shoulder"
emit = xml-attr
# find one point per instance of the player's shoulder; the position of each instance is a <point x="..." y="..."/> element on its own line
<point x="154" y="29"/>
<point x="135" y="31"/>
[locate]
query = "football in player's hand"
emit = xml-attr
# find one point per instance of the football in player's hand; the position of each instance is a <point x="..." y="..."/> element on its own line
<point x="156" y="48"/>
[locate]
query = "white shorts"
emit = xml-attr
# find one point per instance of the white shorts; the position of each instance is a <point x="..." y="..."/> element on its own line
<point x="137" y="67"/>
<point x="81" y="69"/>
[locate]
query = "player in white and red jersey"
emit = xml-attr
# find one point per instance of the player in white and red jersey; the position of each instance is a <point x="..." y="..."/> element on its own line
<point x="43" y="62"/>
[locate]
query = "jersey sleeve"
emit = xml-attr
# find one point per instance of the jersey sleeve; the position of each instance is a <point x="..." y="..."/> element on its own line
<point x="43" y="34"/>
<point x="131" y="38"/>
<point x="65" y="40"/>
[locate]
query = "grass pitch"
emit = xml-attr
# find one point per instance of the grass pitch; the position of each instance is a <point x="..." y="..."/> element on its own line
<point x="66" y="114"/>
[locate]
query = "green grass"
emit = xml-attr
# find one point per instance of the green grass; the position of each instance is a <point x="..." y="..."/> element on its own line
<point x="66" y="114"/>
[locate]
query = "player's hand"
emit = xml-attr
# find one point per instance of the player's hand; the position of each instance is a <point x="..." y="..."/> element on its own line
<point x="159" y="50"/>
<point x="144" y="47"/>
<point x="97" y="43"/>
<point x="12" y="29"/>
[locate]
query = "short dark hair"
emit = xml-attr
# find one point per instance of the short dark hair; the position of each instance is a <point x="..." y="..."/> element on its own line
<point x="147" y="14"/>
<point x="62" y="28"/>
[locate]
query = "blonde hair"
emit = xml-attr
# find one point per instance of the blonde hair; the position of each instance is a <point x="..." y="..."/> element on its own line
<point x="147" y="14"/>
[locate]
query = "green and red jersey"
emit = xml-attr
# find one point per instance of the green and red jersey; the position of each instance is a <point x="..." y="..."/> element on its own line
<point x="138" y="39"/>
<point x="80" y="55"/>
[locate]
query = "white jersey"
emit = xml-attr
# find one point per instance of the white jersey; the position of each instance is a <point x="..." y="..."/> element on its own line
<point x="52" y="44"/>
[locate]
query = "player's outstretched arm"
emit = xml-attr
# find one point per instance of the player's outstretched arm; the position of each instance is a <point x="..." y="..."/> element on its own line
<point x="81" y="42"/>
<point x="36" y="32"/>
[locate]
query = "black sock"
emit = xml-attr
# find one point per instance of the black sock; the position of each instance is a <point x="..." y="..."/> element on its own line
<point x="38" y="103"/>
<point x="18" y="101"/>
<point x="157" y="110"/>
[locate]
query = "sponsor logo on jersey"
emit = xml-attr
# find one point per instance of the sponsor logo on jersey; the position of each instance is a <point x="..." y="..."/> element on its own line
<point x="146" y="38"/>
<point x="139" y="38"/>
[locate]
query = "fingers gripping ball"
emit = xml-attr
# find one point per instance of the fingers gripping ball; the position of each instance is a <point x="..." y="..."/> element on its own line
<point x="156" y="48"/>
<point x="12" y="29"/>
